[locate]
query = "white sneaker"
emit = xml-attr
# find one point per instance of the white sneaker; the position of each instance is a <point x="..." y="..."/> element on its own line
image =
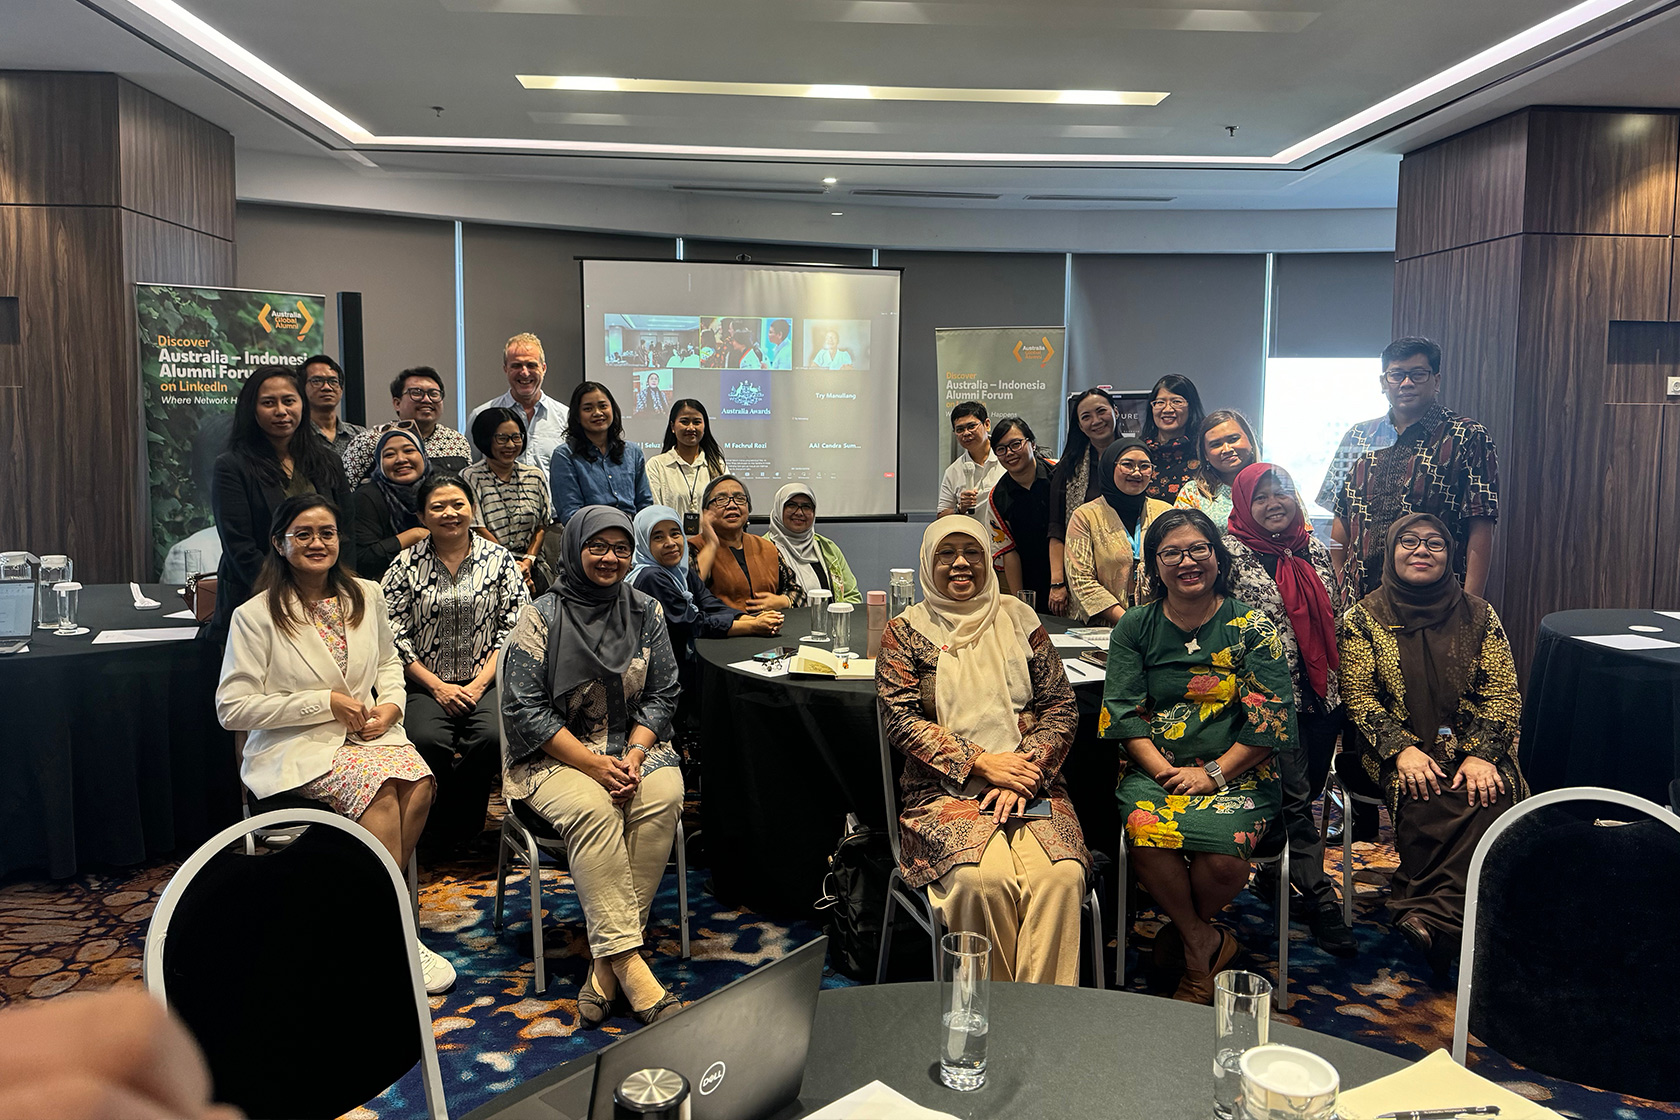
<point x="437" y="973"/>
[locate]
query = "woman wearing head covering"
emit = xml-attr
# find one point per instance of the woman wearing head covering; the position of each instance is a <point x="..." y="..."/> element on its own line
<point x="816" y="561"/>
<point x="975" y="696"/>
<point x="1105" y="537"/>
<point x="1279" y="567"/>
<point x="386" y="508"/>
<point x="590" y="688"/>
<point x="1428" y="679"/>
<point x="1198" y="695"/>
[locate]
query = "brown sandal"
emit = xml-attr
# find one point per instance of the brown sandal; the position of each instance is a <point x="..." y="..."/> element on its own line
<point x="664" y="1009"/>
<point x="593" y="1007"/>
<point x="1197" y="985"/>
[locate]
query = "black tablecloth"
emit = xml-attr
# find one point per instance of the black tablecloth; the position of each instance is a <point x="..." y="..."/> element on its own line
<point x="1594" y="716"/>
<point x="111" y="753"/>
<point x="785" y="759"/>
<point x="1053" y="1052"/>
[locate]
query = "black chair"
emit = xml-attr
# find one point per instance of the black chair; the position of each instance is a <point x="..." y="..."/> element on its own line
<point x="916" y="903"/>
<point x="1571" y="920"/>
<point x="1348" y="786"/>
<point x="256" y="952"/>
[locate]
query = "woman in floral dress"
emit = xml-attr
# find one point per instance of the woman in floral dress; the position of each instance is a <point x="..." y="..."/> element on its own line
<point x="1199" y="695"/>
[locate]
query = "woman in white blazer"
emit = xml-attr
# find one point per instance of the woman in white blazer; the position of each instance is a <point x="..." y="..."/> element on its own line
<point x="311" y="673"/>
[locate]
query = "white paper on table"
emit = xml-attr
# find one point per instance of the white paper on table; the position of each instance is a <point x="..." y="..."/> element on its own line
<point x="1080" y="672"/>
<point x="1670" y="614"/>
<point x="161" y="634"/>
<point x="876" y="1101"/>
<point x="188" y="615"/>
<point x="1068" y="641"/>
<point x="760" y="668"/>
<point x="1629" y="641"/>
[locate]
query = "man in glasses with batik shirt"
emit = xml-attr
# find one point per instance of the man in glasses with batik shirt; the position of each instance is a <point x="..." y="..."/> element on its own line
<point x="417" y="396"/>
<point x="1440" y="463"/>
<point x="323" y="386"/>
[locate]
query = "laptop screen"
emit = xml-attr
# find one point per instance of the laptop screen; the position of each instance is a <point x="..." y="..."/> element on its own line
<point x="17" y="609"/>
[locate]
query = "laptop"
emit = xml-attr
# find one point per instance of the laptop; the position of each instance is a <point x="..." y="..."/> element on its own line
<point x="17" y="614"/>
<point x="742" y="1049"/>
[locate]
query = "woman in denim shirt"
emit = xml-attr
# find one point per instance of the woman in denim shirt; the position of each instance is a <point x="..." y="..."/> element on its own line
<point x="595" y="466"/>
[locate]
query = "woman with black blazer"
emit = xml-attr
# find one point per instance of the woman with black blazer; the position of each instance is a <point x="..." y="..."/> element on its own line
<point x="272" y="454"/>
<point x="386" y="514"/>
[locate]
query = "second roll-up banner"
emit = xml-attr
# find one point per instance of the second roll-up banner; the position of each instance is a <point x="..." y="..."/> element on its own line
<point x="1013" y="371"/>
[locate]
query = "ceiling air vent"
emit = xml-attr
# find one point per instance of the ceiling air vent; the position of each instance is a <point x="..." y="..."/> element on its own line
<point x="1099" y="198"/>
<point x="747" y="190"/>
<point x="883" y="192"/>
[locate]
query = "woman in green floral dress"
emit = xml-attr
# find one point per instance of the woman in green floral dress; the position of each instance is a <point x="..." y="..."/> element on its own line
<point x="1199" y="695"/>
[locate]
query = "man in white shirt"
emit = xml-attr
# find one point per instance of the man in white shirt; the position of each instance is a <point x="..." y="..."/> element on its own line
<point x="969" y="480"/>
<point x="545" y="418"/>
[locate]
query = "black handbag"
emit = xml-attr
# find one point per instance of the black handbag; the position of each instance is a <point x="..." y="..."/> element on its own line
<point x="853" y="903"/>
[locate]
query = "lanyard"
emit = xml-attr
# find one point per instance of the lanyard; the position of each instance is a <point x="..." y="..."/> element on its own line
<point x="693" y="481"/>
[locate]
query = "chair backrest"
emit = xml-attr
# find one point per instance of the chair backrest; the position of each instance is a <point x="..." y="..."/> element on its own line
<point x="1571" y="902"/>
<point x="889" y="780"/>
<point x="256" y="952"/>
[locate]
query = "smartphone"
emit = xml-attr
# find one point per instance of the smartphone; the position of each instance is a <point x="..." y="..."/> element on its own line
<point x="1097" y="657"/>
<point x="1038" y="809"/>
<point x="775" y="653"/>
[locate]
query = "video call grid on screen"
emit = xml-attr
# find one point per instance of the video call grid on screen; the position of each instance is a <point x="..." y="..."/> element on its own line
<point x="797" y="367"/>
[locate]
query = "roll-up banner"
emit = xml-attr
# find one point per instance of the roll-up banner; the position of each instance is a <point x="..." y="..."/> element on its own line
<point x="197" y="347"/>
<point x="1013" y="371"/>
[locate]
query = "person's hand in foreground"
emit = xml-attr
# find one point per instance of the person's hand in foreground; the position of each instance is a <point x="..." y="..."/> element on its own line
<point x="105" y="1056"/>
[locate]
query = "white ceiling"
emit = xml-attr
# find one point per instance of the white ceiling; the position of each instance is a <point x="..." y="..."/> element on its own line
<point x="1295" y="68"/>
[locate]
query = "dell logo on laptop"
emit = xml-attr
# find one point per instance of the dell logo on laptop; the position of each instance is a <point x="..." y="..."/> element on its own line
<point x="712" y="1078"/>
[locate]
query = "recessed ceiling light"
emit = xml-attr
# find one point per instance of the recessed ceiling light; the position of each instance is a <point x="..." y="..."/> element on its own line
<point x="831" y="180"/>
<point x="842" y="92"/>
<point x="836" y="213"/>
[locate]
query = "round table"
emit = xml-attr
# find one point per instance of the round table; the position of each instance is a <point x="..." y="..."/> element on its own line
<point x="1063" y="1052"/>
<point x="1598" y="716"/>
<point x="111" y="753"/>
<point x="785" y="759"/>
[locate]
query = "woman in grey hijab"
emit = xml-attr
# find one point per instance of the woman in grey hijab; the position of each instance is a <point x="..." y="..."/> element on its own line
<point x="590" y="685"/>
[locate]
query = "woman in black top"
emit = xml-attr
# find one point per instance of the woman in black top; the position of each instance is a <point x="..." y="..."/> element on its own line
<point x="1170" y="430"/>
<point x="386" y="509"/>
<point x="1021" y="511"/>
<point x="1093" y="424"/>
<point x="272" y="454"/>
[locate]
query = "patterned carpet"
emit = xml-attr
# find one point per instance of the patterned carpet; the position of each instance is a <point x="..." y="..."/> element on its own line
<point x="493" y="1031"/>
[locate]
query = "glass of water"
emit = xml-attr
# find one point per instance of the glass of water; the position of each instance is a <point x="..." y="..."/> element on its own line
<point x="965" y="979"/>
<point x="1030" y="598"/>
<point x="840" y="625"/>
<point x="68" y="593"/>
<point x="55" y="570"/>
<point x="1242" y="1012"/>
<point x="817" y="599"/>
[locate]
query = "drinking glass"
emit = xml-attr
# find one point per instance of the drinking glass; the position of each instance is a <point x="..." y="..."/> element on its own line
<point x="817" y="600"/>
<point x="965" y="980"/>
<point x="1286" y="1083"/>
<point x="1030" y="598"/>
<point x="1242" y="1009"/>
<point x="67" y="593"/>
<point x="840" y="624"/>
<point x="192" y="566"/>
<point x="54" y="570"/>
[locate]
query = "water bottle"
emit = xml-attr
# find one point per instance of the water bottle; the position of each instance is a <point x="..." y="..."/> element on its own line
<point x="876" y="602"/>
<point x="901" y="592"/>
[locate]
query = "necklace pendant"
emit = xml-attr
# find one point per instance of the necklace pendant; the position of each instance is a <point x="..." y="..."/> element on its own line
<point x="1192" y="646"/>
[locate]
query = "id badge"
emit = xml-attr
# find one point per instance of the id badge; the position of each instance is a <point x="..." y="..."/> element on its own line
<point x="691" y="524"/>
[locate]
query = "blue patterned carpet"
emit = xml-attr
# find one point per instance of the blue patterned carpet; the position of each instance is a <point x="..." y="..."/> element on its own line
<point x="493" y="1031"/>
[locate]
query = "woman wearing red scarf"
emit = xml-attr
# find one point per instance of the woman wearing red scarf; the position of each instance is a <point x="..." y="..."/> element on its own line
<point x="1278" y="567"/>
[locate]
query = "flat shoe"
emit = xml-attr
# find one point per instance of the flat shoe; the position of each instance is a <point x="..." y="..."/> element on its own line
<point x="664" y="1009"/>
<point x="593" y="1007"/>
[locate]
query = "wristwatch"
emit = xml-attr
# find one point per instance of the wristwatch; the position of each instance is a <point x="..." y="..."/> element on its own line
<point x="1216" y="774"/>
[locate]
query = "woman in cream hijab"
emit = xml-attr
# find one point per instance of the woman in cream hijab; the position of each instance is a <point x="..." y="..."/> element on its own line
<point x="975" y="696"/>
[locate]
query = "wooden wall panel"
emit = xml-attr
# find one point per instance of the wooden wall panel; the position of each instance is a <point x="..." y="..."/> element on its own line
<point x="1608" y="172"/>
<point x="1585" y="482"/>
<point x="72" y="440"/>
<point x="174" y="165"/>
<point x="157" y="252"/>
<point x="1463" y="190"/>
<point x="1665" y="560"/>
<point x="58" y="139"/>
<point x="1466" y="300"/>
